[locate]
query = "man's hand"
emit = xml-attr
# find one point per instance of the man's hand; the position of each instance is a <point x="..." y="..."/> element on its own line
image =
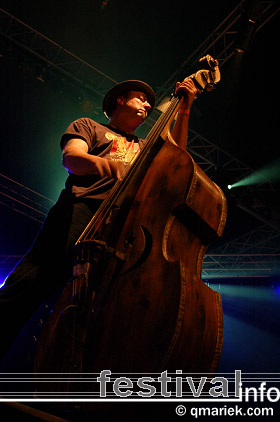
<point x="77" y="160"/>
<point x="189" y="90"/>
<point x="107" y="167"/>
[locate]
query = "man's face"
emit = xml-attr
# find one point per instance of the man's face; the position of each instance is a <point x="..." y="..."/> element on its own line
<point x="137" y="102"/>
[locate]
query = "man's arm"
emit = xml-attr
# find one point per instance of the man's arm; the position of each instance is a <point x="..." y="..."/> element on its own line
<point x="76" y="159"/>
<point x="180" y="130"/>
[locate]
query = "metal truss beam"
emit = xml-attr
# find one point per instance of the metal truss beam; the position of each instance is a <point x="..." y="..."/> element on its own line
<point x="220" y="43"/>
<point x="211" y="157"/>
<point x="54" y="56"/>
<point x="258" y="256"/>
<point x="23" y="200"/>
<point x="262" y="240"/>
<point x="240" y="265"/>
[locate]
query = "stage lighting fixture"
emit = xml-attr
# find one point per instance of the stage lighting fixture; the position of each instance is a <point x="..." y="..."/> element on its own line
<point x="247" y="38"/>
<point x="252" y="14"/>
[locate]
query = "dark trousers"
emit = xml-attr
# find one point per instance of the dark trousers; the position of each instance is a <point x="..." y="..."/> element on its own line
<point x="45" y="268"/>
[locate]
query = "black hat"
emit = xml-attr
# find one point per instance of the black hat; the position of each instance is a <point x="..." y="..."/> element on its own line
<point x="109" y="101"/>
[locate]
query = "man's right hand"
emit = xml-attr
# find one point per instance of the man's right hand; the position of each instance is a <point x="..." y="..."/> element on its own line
<point x="77" y="161"/>
<point x="110" y="168"/>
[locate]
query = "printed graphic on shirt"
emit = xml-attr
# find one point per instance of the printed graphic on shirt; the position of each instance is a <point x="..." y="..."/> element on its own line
<point x="122" y="150"/>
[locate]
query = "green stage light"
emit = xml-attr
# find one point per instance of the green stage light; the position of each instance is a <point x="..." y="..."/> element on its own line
<point x="269" y="173"/>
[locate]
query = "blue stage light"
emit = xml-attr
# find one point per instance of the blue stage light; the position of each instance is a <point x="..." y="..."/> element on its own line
<point x="2" y="281"/>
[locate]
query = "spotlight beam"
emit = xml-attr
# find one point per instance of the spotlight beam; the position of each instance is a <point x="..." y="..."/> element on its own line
<point x="268" y="174"/>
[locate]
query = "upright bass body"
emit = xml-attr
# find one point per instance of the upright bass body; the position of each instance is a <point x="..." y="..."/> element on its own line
<point x="150" y="310"/>
<point x="159" y="314"/>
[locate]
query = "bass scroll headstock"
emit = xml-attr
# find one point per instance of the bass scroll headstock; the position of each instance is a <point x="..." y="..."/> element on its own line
<point x="209" y="74"/>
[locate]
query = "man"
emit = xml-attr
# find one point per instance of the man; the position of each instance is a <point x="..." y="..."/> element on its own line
<point x="130" y="110"/>
<point x="95" y="156"/>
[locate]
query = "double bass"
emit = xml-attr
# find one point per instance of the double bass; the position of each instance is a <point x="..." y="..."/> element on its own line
<point x="136" y="302"/>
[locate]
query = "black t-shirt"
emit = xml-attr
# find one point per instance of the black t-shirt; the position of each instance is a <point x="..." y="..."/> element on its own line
<point x="105" y="142"/>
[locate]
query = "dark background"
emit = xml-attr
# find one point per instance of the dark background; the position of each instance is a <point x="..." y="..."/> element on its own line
<point x="147" y="40"/>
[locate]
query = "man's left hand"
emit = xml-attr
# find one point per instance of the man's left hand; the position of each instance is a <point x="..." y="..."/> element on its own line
<point x="189" y="90"/>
